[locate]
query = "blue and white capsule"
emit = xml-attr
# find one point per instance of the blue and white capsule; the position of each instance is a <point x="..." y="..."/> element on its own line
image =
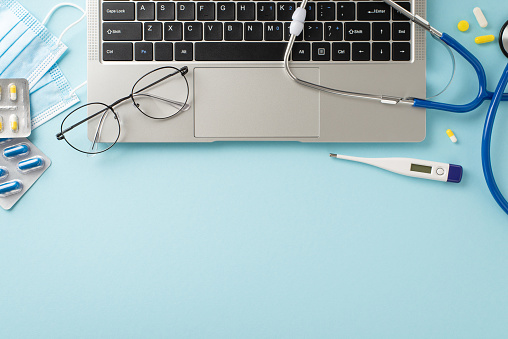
<point x="10" y="188"/>
<point x="30" y="165"/>
<point x="16" y="151"/>
<point x="4" y="173"/>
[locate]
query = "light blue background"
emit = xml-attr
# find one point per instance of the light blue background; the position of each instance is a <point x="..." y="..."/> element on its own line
<point x="264" y="240"/>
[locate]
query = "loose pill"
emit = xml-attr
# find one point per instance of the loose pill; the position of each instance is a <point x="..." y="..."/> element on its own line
<point x="11" y="187"/>
<point x="482" y="21"/>
<point x="484" y="39"/>
<point x="16" y="151"/>
<point x="452" y="136"/>
<point x="3" y="173"/>
<point x="14" y="122"/>
<point x="463" y="26"/>
<point x="13" y="92"/>
<point x="31" y="164"/>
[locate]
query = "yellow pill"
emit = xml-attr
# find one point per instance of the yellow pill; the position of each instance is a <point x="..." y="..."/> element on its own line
<point x="484" y="39"/>
<point x="13" y="92"/>
<point x="1" y="124"/>
<point x="452" y="136"/>
<point x="463" y="26"/>
<point x="14" y="122"/>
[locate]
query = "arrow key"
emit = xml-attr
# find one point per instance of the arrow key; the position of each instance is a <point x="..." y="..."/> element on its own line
<point x="361" y="51"/>
<point x="381" y="31"/>
<point x="381" y="51"/>
<point x="401" y="51"/>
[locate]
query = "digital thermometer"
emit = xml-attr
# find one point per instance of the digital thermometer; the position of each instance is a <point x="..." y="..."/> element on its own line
<point x="412" y="167"/>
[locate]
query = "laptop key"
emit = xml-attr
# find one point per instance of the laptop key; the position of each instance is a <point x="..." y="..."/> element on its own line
<point x="266" y="11"/>
<point x="397" y="16"/>
<point x="185" y="11"/>
<point x="165" y="11"/>
<point x="233" y="31"/>
<point x="401" y="51"/>
<point x="164" y="51"/>
<point x="285" y="11"/>
<point x="245" y="11"/>
<point x="273" y="31"/>
<point x="357" y="31"/>
<point x="401" y="31"/>
<point x="321" y="51"/>
<point x="326" y="11"/>
<point x="226" y="11"/>
<point x="333" y="31"/>
<point x="381" y="51"/>
<point x="213" y="31"/>
<point x="287" y="34"/>
<point x="183" y="51"/>
<point x="381" y="31"/>
<point x="193" y="31"/>
<point x="144" y="51"/>
<point x="125" y="31"/>
<point x="172" y="31"/>
<point x="206" y="11"/>
<point x="346" y="11"/>
<point x="253" y="31"/>
<point x="301" y="51"/>
<point x="373" y="11"/>
<point x="313" y="31"/>
<point x="146" y="11"/>
<point x="117" y="51"/>
<point x="153" y="31"/>
<point x="341" y="51"/>
<point x="240" y="51"/>
<point x="361" y="51"/>
<point x="118" y="11"/>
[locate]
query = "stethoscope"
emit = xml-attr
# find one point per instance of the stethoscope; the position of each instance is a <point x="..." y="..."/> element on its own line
<point x="483" y="94"/>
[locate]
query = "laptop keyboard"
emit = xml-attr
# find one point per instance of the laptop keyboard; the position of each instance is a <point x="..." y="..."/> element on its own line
<point x="355" y="31"/>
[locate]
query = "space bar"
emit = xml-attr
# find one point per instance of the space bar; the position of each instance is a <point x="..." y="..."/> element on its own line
<point x="240" y="51"/>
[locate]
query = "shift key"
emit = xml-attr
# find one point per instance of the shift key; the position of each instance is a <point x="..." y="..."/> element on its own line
<point x="122" y="31"/>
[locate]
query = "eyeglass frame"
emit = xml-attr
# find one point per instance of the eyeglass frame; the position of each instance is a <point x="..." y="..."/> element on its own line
<point x="184" y="106"/>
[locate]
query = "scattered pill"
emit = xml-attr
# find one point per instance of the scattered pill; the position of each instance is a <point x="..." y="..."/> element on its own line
<point x="31" y="164"/>
<point x="14" y="122"/>
<point x="11" y="187"/>
<point x="484" y="39"/>
<point x="13" y="92"/>
<point x="463" y="26"/>
<point x="452" y="136"/>
<point x="3" y="173"/>
<point x="480" y="17"/>
<point x="16" y="151"/>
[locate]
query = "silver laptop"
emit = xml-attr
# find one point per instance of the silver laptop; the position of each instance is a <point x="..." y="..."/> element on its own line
<point x="238" y="89"/>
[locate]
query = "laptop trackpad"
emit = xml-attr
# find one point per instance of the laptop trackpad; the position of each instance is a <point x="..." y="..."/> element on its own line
<point x="255" y="103"/>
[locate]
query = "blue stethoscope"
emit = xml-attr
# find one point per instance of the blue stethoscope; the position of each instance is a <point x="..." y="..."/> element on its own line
<point x="483" y="94"/>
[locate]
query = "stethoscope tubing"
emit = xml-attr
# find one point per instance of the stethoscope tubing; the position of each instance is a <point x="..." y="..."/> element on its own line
<point x="487" y="138"/>
<point x="483" y="93"/>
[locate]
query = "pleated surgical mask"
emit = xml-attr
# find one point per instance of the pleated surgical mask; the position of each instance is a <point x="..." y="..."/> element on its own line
<point x="27" y="49"/>
<point x="51" y="96"/>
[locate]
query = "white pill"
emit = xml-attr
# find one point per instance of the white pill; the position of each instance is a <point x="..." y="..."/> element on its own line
<point x="480" y="17"/>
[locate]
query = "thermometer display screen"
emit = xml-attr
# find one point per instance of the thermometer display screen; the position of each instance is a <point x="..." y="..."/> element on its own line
<point x="421" y="168"/>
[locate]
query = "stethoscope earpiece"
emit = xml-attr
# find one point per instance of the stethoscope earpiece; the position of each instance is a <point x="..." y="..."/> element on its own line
<point x="503" y="39"/>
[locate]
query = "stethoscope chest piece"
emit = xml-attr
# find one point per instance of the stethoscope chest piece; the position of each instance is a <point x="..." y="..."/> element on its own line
<point x="503" y="39"/>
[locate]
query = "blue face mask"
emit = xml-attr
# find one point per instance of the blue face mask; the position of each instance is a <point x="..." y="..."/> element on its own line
<point x="51" y="96"/>
<point x="27" y="49"/>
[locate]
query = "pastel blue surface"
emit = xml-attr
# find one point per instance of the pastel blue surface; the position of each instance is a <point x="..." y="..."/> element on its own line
<point x="264" y="240"/>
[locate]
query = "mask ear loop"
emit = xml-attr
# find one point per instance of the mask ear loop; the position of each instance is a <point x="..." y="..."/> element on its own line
<point x="54" y="9"/>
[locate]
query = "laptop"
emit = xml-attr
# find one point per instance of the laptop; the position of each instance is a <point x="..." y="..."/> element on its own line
<point x="238" y="88"/>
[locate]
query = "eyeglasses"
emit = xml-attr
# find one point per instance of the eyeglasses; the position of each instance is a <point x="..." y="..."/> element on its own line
<point x="159" y="94"/>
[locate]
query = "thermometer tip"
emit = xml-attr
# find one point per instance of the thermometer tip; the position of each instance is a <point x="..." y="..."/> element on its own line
<point x="333" y="155"/>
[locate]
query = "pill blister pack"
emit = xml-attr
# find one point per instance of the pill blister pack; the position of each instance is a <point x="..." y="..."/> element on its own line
<point x="21" y="164"/>
<point x="14" y="108"/>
